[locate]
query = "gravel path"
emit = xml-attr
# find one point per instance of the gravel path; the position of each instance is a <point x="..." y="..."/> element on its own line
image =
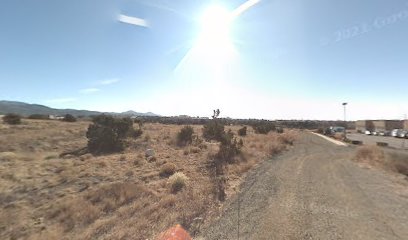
<point x="314" y="191"/>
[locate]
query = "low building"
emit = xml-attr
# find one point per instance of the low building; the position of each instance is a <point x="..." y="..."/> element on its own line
<point x="364" y="125"/>
<point x="379" y="125"/>
<point x="55" y="117"/>
<point x="387" y="125"/>
<point x="405" y="125"/>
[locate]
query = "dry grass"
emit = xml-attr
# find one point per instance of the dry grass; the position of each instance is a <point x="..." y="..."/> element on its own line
<point x="390" y="160"/>
<point x="372" y="155"/>
<point x="178" y="181"/>
<point x="117" y="196"/>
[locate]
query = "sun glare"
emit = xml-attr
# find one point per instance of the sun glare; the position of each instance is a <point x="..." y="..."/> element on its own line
<point x="215" y="23"/>
<point x="214" y="41"/>
<point x="213" y="54"/>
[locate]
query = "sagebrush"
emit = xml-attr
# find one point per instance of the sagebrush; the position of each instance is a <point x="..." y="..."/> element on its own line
<point x="213" y="130"/>
<point x="185" y="136"/>
<point x="106" y="134"/>
<point x="12" y="119"/>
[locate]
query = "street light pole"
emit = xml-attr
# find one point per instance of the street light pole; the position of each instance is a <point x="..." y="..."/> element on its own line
<point x="345" y="123"/>
<point x="344" y="105"/>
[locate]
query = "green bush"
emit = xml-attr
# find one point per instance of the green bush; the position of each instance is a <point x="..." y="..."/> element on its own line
<point x="106" y="134"/>
<point x="242" y="131"/>
<point x="12" y="119"/>
<point x="213" y="130"/>
<point x="38" y="116"/>
<point x="185" y="136"/>
<point x="69" y="118"/>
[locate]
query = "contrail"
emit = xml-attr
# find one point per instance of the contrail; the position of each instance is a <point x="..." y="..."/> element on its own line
<point x="245" y="6"/>
<point x="133" y="20"/>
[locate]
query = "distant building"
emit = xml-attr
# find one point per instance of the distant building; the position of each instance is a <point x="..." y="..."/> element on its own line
<point x="184" y="116"/>
<point x="378" y="125"/>
<point x="387" y="125"/>
<point x="364" y="125"/>
<point x="55" y="117"/>
<point x="405" y="124"/>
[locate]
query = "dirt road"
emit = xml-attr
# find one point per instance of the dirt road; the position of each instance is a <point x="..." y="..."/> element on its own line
<point x="314" y="191"/>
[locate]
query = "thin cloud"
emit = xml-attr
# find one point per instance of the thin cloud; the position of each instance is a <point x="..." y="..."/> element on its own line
<point x="89" y="90"/>
<point x="109" y="81"/>
<point x="133" y="20"/>
<point x="61" y="100"/>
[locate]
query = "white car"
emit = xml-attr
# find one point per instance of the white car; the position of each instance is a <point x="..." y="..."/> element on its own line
<point x="394" y="133"/>
<point x="366" y="132"/>
<point x="403" y="134"/>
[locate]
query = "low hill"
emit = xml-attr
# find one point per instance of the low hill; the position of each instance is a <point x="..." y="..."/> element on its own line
<point x="26" y="109"/>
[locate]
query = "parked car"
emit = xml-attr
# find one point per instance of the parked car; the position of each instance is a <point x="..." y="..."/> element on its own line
<point x="394" y="132"/>
<point x="384" y="133"/>
<point x="366" y="132"/>
<point x="374" y="133"/>
<point x="403" y="134"/>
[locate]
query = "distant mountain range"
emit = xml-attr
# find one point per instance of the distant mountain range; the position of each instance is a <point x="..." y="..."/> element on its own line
<point x="27" y="109"/>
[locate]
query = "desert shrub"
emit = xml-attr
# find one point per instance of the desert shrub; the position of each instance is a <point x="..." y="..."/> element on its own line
<point x="69" y="118"/>
<point x="137" y="133"/>
<point x="264" y="127"/>
<point x="288" y="138"/>
<point x="106" y="134"/>
<point x="275" y="147"/>
<point x="242" y="131"/>
<point x="12" y="119"/>
<point x="185" y="136"/>
<point x="167" y="169"/>
<point x="229" y="148"/>
<point x="213" y="130"/>
<point x="279" y="130"/>
<point x="38" y="116"/>
<point x="195" y="150"/>
<point x="178" y="181"/>
<point x="139" y="122"/>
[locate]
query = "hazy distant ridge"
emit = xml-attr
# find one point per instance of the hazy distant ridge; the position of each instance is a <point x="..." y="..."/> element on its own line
<point x="26" y="109"/>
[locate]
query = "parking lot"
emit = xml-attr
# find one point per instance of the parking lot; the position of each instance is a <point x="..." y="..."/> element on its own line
<point x="399" y="143"/>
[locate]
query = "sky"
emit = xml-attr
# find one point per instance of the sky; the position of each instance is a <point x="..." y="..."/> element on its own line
<point x="275" y="59"/>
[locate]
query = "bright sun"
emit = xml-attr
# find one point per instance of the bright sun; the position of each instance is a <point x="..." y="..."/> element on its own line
<point x="214" y="40"/>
